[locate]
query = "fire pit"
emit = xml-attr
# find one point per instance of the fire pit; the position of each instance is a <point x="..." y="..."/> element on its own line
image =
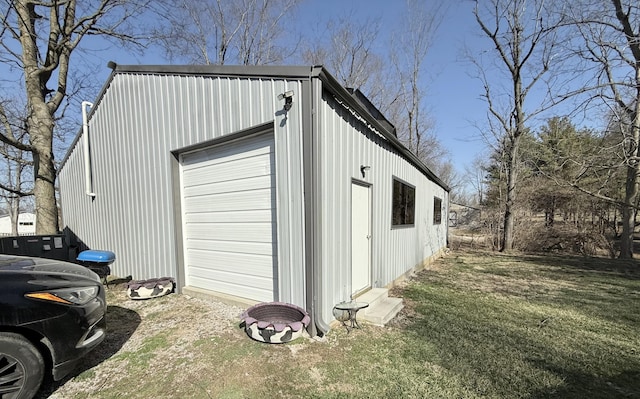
<point x="152" y="288"/>
<point x="275" y="322"/>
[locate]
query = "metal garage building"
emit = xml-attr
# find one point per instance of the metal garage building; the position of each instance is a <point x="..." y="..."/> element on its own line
<point x="257" y="183"/>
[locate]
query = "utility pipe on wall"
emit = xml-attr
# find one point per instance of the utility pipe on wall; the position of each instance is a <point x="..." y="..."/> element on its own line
<point x="87" y="160"/>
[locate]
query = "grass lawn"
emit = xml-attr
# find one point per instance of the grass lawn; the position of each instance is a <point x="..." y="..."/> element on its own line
<point x="475" y="325"/>
<point x="528" y="326"/>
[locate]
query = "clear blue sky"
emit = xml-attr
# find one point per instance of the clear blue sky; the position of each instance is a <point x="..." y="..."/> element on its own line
<point x="453" y="95"/>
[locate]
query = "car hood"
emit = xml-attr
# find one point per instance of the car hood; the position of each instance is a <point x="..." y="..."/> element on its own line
<point x="24" y="264"/>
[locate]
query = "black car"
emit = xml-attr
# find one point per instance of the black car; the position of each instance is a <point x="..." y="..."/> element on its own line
<point x="51" y="314"/>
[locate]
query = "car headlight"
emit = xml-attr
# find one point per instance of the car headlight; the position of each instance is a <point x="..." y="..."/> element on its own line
<point x="67" y="296"/>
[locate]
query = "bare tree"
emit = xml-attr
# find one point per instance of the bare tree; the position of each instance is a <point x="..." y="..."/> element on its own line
<point x="346" y="47"/>
<point x="475" y="175"/>
<point x="38" y="38"/>
<point x="13" y="183"/>
<point x="446" y="171"/>
<point x="610" y="50"/>
<point x="246" y="32"/>
<point x="413" y="41"/>
<point x="524" y="39"/>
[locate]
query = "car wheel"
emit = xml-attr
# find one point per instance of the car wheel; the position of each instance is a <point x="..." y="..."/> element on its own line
<point x="21" y="367"/>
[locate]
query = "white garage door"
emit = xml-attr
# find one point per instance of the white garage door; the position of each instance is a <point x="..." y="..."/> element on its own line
<point x="229" y="211"/>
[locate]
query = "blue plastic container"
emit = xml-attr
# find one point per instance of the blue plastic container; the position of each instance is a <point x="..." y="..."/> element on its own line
<point x="93" y="256"/>
<point x="97" y="261"/>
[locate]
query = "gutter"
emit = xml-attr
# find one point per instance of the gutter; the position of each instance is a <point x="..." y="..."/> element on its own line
<point x="99" y="97"/>
<point x="87" y="159"/>
<point x="313" y="271"/>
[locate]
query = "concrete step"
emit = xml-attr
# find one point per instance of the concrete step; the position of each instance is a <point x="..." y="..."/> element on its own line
<point x="373" y="296"/>
<point x="382" y="311"/>
<point x="381" y="308"/>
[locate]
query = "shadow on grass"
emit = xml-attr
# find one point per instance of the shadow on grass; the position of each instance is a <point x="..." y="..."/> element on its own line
<point x="626" y="268"/>
<point x="606" y="288"/>
<point x="502" y="352"/>
<point x="573" y="342"/>
<point x="121" y="324"/>
<point x="622" y="385"/>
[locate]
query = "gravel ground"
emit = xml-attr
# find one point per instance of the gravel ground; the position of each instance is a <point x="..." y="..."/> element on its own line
<point x="131" y="324"/>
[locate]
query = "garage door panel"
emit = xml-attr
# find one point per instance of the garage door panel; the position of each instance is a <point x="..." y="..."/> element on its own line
<point x="250" y="216"/>
<point x="229" y="171"/>
<point x="256" y="200"/>
<point x="228" y="202"/>
<point x="256" y="248"/>
<point x="236" y="232"/>
<point x="243" y="290"/>
<point x="230" y="263"/>
<point x="230" y="186"/>
<point x="235" y="279"/>
<point x="225" y="153"/>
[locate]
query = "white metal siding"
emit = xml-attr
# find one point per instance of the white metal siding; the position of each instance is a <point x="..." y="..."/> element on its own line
<point x="229" y="218"/>
<point x="135" y="125"/>
<point x="345" y="144"/>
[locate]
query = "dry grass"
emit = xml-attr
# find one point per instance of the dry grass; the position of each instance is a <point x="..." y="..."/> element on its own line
<point x="476" y="325"/>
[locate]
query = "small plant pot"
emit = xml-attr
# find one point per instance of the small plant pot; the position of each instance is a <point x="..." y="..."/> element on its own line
<point x="275" y="322"/>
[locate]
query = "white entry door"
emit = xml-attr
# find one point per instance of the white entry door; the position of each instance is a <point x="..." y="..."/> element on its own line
<point x="360" y="237"/>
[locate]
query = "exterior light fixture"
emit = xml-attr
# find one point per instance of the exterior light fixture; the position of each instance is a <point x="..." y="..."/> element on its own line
<point x="288" y="99"/>
<point x="364" y="169"/>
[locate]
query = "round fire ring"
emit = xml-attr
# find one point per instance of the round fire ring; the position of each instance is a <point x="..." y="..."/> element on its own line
<point x="152" y="288"/>
<point x="275" y="322"/>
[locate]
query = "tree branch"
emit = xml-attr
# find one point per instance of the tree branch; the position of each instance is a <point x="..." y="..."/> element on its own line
<point x="19" y="193"/>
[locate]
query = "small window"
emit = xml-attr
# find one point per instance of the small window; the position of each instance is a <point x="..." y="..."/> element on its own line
<point x="437" y="210"/>
<point x="404" y="204"/>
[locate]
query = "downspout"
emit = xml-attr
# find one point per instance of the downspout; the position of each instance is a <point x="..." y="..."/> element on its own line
<point x="85" y="141"/>
<point x="313" y="272"/>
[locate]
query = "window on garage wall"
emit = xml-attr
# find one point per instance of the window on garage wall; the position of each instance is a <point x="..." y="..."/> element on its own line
<point x="437" y="210"/>
<point x="404" y="205"/>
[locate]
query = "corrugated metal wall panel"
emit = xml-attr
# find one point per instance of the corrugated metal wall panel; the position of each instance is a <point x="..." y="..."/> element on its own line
<point x="346" y="144"/>
<point x="139" y="120"/>
<point x="290" y="194"/>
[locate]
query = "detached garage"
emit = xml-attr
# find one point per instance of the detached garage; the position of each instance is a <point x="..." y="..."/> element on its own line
<point x="254" y="184"/>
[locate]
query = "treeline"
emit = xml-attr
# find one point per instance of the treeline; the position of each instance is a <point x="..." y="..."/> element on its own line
<point x="585" y="56"/>
<point x="570" y="193"/>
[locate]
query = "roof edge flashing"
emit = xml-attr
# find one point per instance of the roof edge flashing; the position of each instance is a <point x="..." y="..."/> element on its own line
<point x="388" y="132"/>
<point x="295" y="72"/>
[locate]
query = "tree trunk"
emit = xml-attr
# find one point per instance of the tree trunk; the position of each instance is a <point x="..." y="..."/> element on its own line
<point x="507" y="232"/>
<point x="40" y="119"/>
<point x="41" y="135"/>
<point x="14" y="213"/>
<point x="630" y="196"/>
<point x="626" y="239"/>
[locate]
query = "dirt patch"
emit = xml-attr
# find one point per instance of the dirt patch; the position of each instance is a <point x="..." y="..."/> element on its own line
<point x="154" y="336"/>
<point x="183" y="347"/>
